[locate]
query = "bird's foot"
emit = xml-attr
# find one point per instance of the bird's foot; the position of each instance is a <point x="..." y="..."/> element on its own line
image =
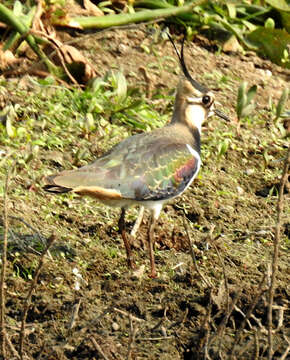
<point x="131" y="264"/>
<point x="153" y="274"/>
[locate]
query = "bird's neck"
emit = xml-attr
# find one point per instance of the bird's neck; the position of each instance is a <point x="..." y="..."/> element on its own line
<point x="189" y="117"/>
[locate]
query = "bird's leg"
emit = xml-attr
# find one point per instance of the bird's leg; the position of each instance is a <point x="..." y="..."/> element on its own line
<point x="137" y="222"/>
<point x="127" y="244"/>
<point x="154" y="218"/>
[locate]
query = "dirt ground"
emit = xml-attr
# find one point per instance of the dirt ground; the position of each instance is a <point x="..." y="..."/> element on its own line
<point x="87" y="304"/>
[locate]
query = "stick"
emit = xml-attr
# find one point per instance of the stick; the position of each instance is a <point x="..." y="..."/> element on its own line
<point x="127" y="314"/>
<point x="98" y="348"/>
<point x="11" y="347"/>
<point x="225" y="319"/>
<point x="224" y="272"/>
<point x="74" y="315"/>
<point x="193" y="255"/>
<point x="133" y="332"/>
<point x="248" y="315"/>
<point x="29" y="295"/>
<point x="280" y="206"/>
<point x="3" y="271"/>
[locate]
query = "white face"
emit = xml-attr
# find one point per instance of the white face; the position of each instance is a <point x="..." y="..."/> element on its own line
<point x="198" y="109"/>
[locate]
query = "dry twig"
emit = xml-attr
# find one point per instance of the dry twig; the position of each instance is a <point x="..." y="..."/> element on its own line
<point x="224" y="271"/>
<point x="206" y="326"/>
<point x="74" y="315"/>
<point x="98" y="348"/>
<point x="257" y="345"/>
<point x="11" y="347"/>
<point x="280" y="206"/>
<point x="127" y="314"/>
<point x="29" y="295"/>
<point x="284" y="355"/>
<point x="156" y="338"/>
<point x="206" y="281"/>
<point x="3" y="271"/>
<point x="133" y="332"/>
<point x="224" y="321"/>
<point x="248" y="315"/>
<point x="40" y="237"/>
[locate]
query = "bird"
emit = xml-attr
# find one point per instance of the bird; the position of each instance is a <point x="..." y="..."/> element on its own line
<point x="151" y="168"/>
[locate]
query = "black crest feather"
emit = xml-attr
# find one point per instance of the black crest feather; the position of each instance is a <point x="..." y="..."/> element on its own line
<point x="186" y="73"/>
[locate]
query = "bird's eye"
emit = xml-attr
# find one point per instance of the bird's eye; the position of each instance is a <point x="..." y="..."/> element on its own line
<point x="206" y="100"/>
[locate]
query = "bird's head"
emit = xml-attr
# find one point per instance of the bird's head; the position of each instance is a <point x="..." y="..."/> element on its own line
<point x="194" y="102"/>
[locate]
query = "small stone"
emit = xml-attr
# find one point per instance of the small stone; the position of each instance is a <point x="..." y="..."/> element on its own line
<point x="240" y="190"/>
<point x="249" y="172"/>
<point x="115" y="326"/>
<point x="123" y="49"/>
<point x="163" y="331"/>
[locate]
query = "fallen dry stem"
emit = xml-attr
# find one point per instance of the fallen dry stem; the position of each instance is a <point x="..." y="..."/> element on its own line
<point x="74" y="315"/>
<point x="11" y="347"/>
<point x="226" y="287"/>
<point x="225" y="319"/>
<point x="207" y="326"/>
<point x="284" y="355"/>
<point x="98" y="348"/>
<point x="156" y="338"/>
<point x="3" y="271"/>
<point x="27" y="303"/>
<point x="259" y="293"/>
<point x="280" y="206"/>
<point x="127" y="314"/>
<point x="224" y="271"/>
<point x="257" y="345"/>
<point x="40" y="237"/>
<point x="193" y="255"/>
<point x="133" y="332"/>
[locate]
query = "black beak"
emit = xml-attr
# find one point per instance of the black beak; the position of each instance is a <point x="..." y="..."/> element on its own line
<point x="221" y="115"/>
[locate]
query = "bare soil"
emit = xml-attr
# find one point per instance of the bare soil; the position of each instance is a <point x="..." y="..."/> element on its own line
<point x="230" y="209"/>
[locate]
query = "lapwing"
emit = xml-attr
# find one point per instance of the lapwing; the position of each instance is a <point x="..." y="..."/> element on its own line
<point x="147" y="169"/>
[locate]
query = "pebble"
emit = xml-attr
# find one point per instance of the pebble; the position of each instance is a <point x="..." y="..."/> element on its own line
<point x="249" y="171"/>
<point x="240" y="190"/>
<point x="115" y="326"/>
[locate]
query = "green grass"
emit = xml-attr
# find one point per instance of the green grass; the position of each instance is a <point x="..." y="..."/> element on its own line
<point x="54" y="118"/>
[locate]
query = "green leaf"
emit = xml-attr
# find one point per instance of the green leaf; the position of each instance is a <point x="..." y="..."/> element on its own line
<point x="223" y="147"/>
<point x="271" y="43"/>
<point x="121" y="87"/>
<point x="251" y="93"/>
<point x="279" y="5"/>
<point x="269" y="23"/>
<point x="250" y="26"/>
<point x="242" y="99"/>
<point x="9" y="128"/>
<point x="285" y="18"/>
<point x="247" y="110"/>
<point x="17" y="8"/>
<point x="232" y="10"/>
<point x="281" y="103"/>
<point x="283" y="131"/>
<point x="286" y="114"/>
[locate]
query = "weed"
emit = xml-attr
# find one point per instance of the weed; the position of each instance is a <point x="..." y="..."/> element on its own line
<point x="245" y="105"/>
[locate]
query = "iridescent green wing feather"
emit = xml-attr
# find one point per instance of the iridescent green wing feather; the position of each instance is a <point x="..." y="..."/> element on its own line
<point x="160" y="172"/>
<point x="143" y="167"/>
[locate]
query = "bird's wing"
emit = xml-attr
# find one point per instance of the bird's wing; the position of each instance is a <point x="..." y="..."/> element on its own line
<point x="144" y="169"/>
